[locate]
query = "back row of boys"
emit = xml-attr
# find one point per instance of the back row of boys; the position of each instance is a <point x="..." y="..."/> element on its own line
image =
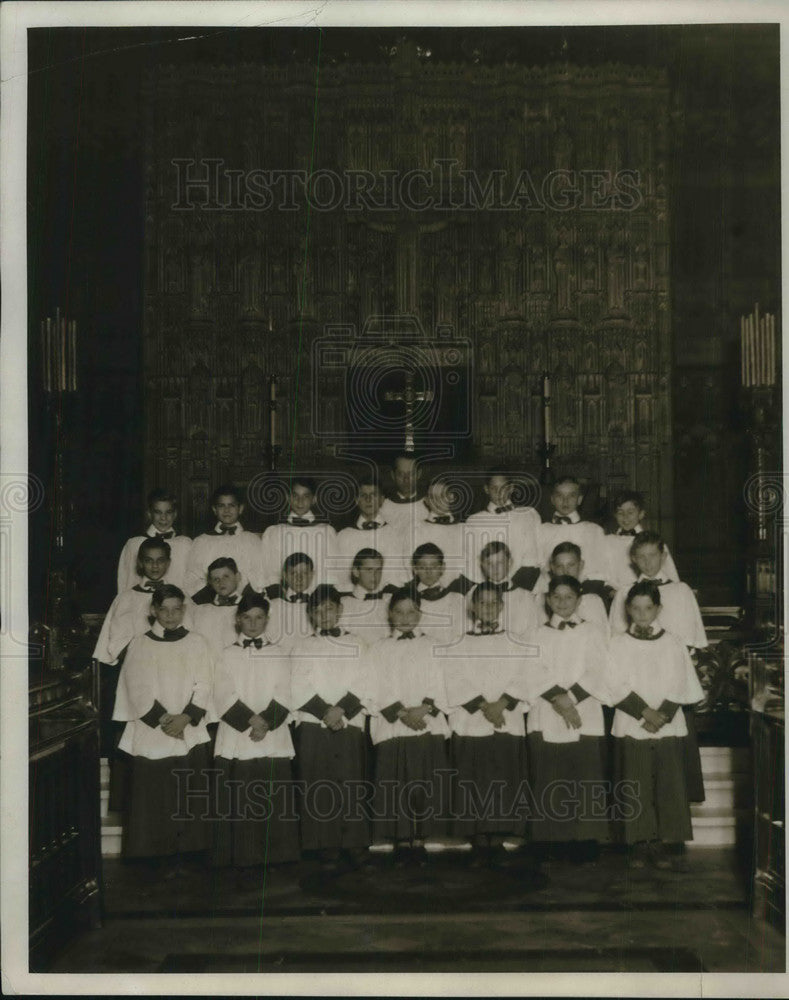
<point x="406" y="539"/>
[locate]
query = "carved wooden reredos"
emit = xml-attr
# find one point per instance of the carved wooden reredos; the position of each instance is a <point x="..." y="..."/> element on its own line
<point x="580" y="291"/>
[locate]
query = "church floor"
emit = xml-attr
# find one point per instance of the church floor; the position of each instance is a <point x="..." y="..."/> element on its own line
<point x="445" y="918"/>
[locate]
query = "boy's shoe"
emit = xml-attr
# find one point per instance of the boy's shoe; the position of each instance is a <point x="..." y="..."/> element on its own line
<point x="479" y="857"/>
<point x="329" y="860"/>
<point x="658" y="856"/>
<point x="499" y="857"/>
<point x="358" y="859"/>
<point x="637" y="856"/>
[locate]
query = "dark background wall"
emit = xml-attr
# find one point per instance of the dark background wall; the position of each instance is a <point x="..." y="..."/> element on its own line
<point x="86" y="229"/>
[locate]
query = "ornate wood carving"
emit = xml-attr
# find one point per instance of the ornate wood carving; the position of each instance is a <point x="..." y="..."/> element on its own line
<point x="562" y="279"/>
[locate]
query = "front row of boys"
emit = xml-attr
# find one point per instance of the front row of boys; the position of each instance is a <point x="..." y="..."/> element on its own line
<point x="471" y="707"/>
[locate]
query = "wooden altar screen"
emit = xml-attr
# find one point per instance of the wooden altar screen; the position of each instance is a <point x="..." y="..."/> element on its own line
<point x="501" y="251"/>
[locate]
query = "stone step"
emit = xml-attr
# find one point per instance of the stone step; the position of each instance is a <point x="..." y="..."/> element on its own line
<point x="111" y="831"/>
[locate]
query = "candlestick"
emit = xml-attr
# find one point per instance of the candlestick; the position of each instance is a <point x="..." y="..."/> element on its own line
<point x="73" y="356"/>
<point x="546" y="408"/>
<point x="773" y="346"/>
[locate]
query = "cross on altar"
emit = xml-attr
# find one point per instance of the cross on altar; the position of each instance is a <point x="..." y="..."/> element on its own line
<point x="409" y="396"/>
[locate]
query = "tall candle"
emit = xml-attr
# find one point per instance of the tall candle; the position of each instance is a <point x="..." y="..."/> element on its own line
<point x="73" y="347"/>
<point x="752" y="350"/>
<point x="742" y="350"/>
<point x="546" y="407"/>
<point x="746" y="349"/>
<point x="273" y="409"/>
<point x="772" y="349"/>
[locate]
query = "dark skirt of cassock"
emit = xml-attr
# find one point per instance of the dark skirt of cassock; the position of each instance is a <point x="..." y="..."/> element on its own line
<point x="332" y="767"/>
<point x="577" y="807"/>
<point x="406" y="811"/>
<point x="490" y="771"/>
<point x="155" y="794"/>
<point x="255" y="823"/>
<point x="658" y="795"/>
<point x="693" y="777"/>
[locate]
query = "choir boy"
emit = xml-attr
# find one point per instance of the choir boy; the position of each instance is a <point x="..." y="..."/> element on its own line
<point x="162" y="510"/>
<point x="679" y="610"/>
<point x="301" y="529"/>
<point x="442" y="600"/>
<point x="439" y="525"/>
<point x="566" y="730"/>
<point x="486" y="679"/>
<point x="254" y="749"/>
<point x="288" y="620"/>
<point x="409" y="732"/>
<point x="650" y="677"/>
<point x="227" y="538"/>
<point x="214" y="614"/>
<point x="629" y="513"/>
<point x="370" y="529"/>
<point x="405" y="504"/>
<point x="163" y="697"/>
<point x="502" y="521"/>
<point x="566" y="525"/>
<point x="519" y="616"/>
<point x="566" y="561"/>
<point x="329" y="685"/>
<point x="679" y="614"/>
<point x="365" y="609"/>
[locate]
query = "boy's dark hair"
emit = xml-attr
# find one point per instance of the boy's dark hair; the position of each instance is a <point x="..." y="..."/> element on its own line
<point x="158" y="495"/>
<point x="323" y="592"/>
<point x="566" y="479"/>
<point x="227" y="490"/>
<point x="363" y="554"/>
<point x="404" y="454"/>
<point x="307" y="481"/>
<point x="166" y="590"/>
<point x="223" y="562"/>
<point x="405" y="594"/>
<point x="483" y="589"/>
<point x="647" y="538"/>
<point x="564" y="547"/>
<point x="628" y="496"/>
<point x="147" y="546"/>
<point x="368" y="479"/>
<point x="644" y="588"/>
<point x="497" y="470"/>
<point x="252" y="600"/>
<point x="295" y="559"/>
<point x="426" y="549"/>
<point x="493" y="548"/>
<point x="563" y="580"/>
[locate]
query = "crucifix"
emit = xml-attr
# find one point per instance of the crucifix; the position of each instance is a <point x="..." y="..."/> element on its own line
<point x="409" y="397"/>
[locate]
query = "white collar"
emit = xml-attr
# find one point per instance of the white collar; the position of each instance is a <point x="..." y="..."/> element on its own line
<point x="653" y="628"/>
<point x="309" y="516"/>
<point x="414" y="498"/>
<point x="439" y="583"/>
<point x="359" y="592"/>
<point x="266" y="641"/>
<point x="235" y="597"/>
<point x="575" y="517"/>
<point x="158" y="629"/>
<point x="493" y="507"/>
<point x="152" y="531"/>
<point x="156" y="583"/>
<point x="381" y="523"/>
<point x="237" y="526"/>
<point x="556" y="620"/>
<point x="642" y="578"/>
<point x="638" y="529"/>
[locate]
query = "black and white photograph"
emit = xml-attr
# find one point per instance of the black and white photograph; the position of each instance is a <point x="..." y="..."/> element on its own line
<point x="392" y="506"/>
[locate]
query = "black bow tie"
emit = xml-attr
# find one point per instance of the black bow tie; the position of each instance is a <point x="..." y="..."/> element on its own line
<point x="330" y="631"/>
<point x="300" y="522"/>
<point x="629" y="531"/>
<point x="225" y="602"/>
<point x="443" y="519"/>
<point x="165" y="534"/>
<point x="488" y="629"/>
<point x="642" y="631"/>
<point x="657" y="581"/>
<point x="227" y="529"/>
<point x="374" y="596"/>
<point x="505" y="508"/>
<point x="561" y="519"/>
<point x="257" y="643"/>
<point x="146" y="590"/>
<point x="432" y="593"/>
<point x="502" y="587"/>
<point x="567" y="624"/>
<point x="406" y="635"/>
<point x="300" y="596"/>
<point x="173" y="634"/>
<point x="369" y="525"/>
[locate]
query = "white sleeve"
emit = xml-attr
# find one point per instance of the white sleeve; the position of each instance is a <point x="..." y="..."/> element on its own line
<point x="127" y="565"/>
<point x="194" y="577"/>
